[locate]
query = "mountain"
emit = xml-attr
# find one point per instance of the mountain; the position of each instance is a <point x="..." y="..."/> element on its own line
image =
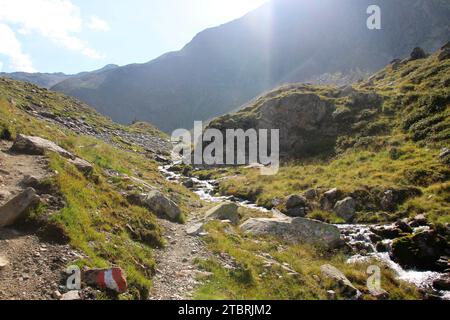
<point x="48" y="80"/>
<point x="44" y="80"/>
<point x="281" y="42"/>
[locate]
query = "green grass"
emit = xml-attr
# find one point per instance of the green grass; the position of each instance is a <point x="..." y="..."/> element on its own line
<point x="252" y="280"/>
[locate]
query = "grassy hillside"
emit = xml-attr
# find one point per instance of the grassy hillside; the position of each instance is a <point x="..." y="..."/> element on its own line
<point x="96" y="217"/>
<point x="388" y="133"/>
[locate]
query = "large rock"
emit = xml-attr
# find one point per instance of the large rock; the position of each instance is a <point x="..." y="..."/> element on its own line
<point x="340" y="281"/>
<point x="224" y="211"/>
<point x="420" y="251"/>
<point x="38" y="146"/>
<point x="295" y="201"/>
<point x="160" y="204"/>
<point x="443" y="283"/>
<point x="329" y="199"/>
<point x="296" y="230"/>
<point x="16" y="207"/>
<point x="418" y="53"/>
<point x="346" y="209"/>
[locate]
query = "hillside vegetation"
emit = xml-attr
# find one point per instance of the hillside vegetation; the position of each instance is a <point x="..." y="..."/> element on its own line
<point x="384" y="133"/>
<point x="96" y="217"/>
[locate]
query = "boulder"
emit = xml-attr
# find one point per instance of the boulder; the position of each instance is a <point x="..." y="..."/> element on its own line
<point x="296" y="212"/>
<point x="418" y="53"/>
<point x="189" y="183"/>
<point x="195" y="229"/>
<point x="82" y="165"/>
<point x="329" y="199"/>
<point x="346" y="209"/>
<point x="224" y="211"/>
<point x="340" y="281"/>
<point x="443" y="283"/>
<point x="295" y="201"/>
<point x="403" y="226"/>
<point x="394" y="197"/>
<point x="161" y="205"/>
<point x="420" y="251"/>
<point x="16" y="207"/>
<point x="296" y="230"/>
<point x="38" y="146"/>
<point x="387" y="232"/>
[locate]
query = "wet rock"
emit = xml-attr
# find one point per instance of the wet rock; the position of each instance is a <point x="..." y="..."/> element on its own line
<point x="296" y="230"/>
<point x="16" y="207"/>
<point x="443" y="283"/>
<point x="418" y="53"/>
<point x="37" y="146"/>
<point x="383" y="247"/>
<point x="387" y="232"/>
<point x="224" y="211"/>
<point x="340" y="281"/>
<point x="420" y="251"/>
<point x="346" y="209"/>
<point x="403" y="226"/>
<point x="419" y="221"/>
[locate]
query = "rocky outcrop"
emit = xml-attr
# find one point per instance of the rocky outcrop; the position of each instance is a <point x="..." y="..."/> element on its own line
<point x="16" y="207"/>
<point x="38" y="146"/>
<point x="224" y="211"/>
<point x="346" y="209"/>
<point x="296" y="230"/>
<point x="340" y="281"/>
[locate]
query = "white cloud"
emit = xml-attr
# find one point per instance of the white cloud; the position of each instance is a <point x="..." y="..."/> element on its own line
<point x="10" y="46"/>
<point x="97" y="24"/>
<point x="1" y="66"/>
<point x="56" y="20"/>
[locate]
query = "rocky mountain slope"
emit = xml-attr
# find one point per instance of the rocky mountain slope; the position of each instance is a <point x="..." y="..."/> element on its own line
<point x="284" y="41"/>
<point x="74" y="181"/>
<point x="372" y="158"/>
<point x="48" y="80"/>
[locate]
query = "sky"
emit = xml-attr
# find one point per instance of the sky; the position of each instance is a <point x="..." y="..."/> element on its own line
<point x="72" y="36"/>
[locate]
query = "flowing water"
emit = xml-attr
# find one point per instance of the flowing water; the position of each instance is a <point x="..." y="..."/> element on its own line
<point x="358" y="237"/>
